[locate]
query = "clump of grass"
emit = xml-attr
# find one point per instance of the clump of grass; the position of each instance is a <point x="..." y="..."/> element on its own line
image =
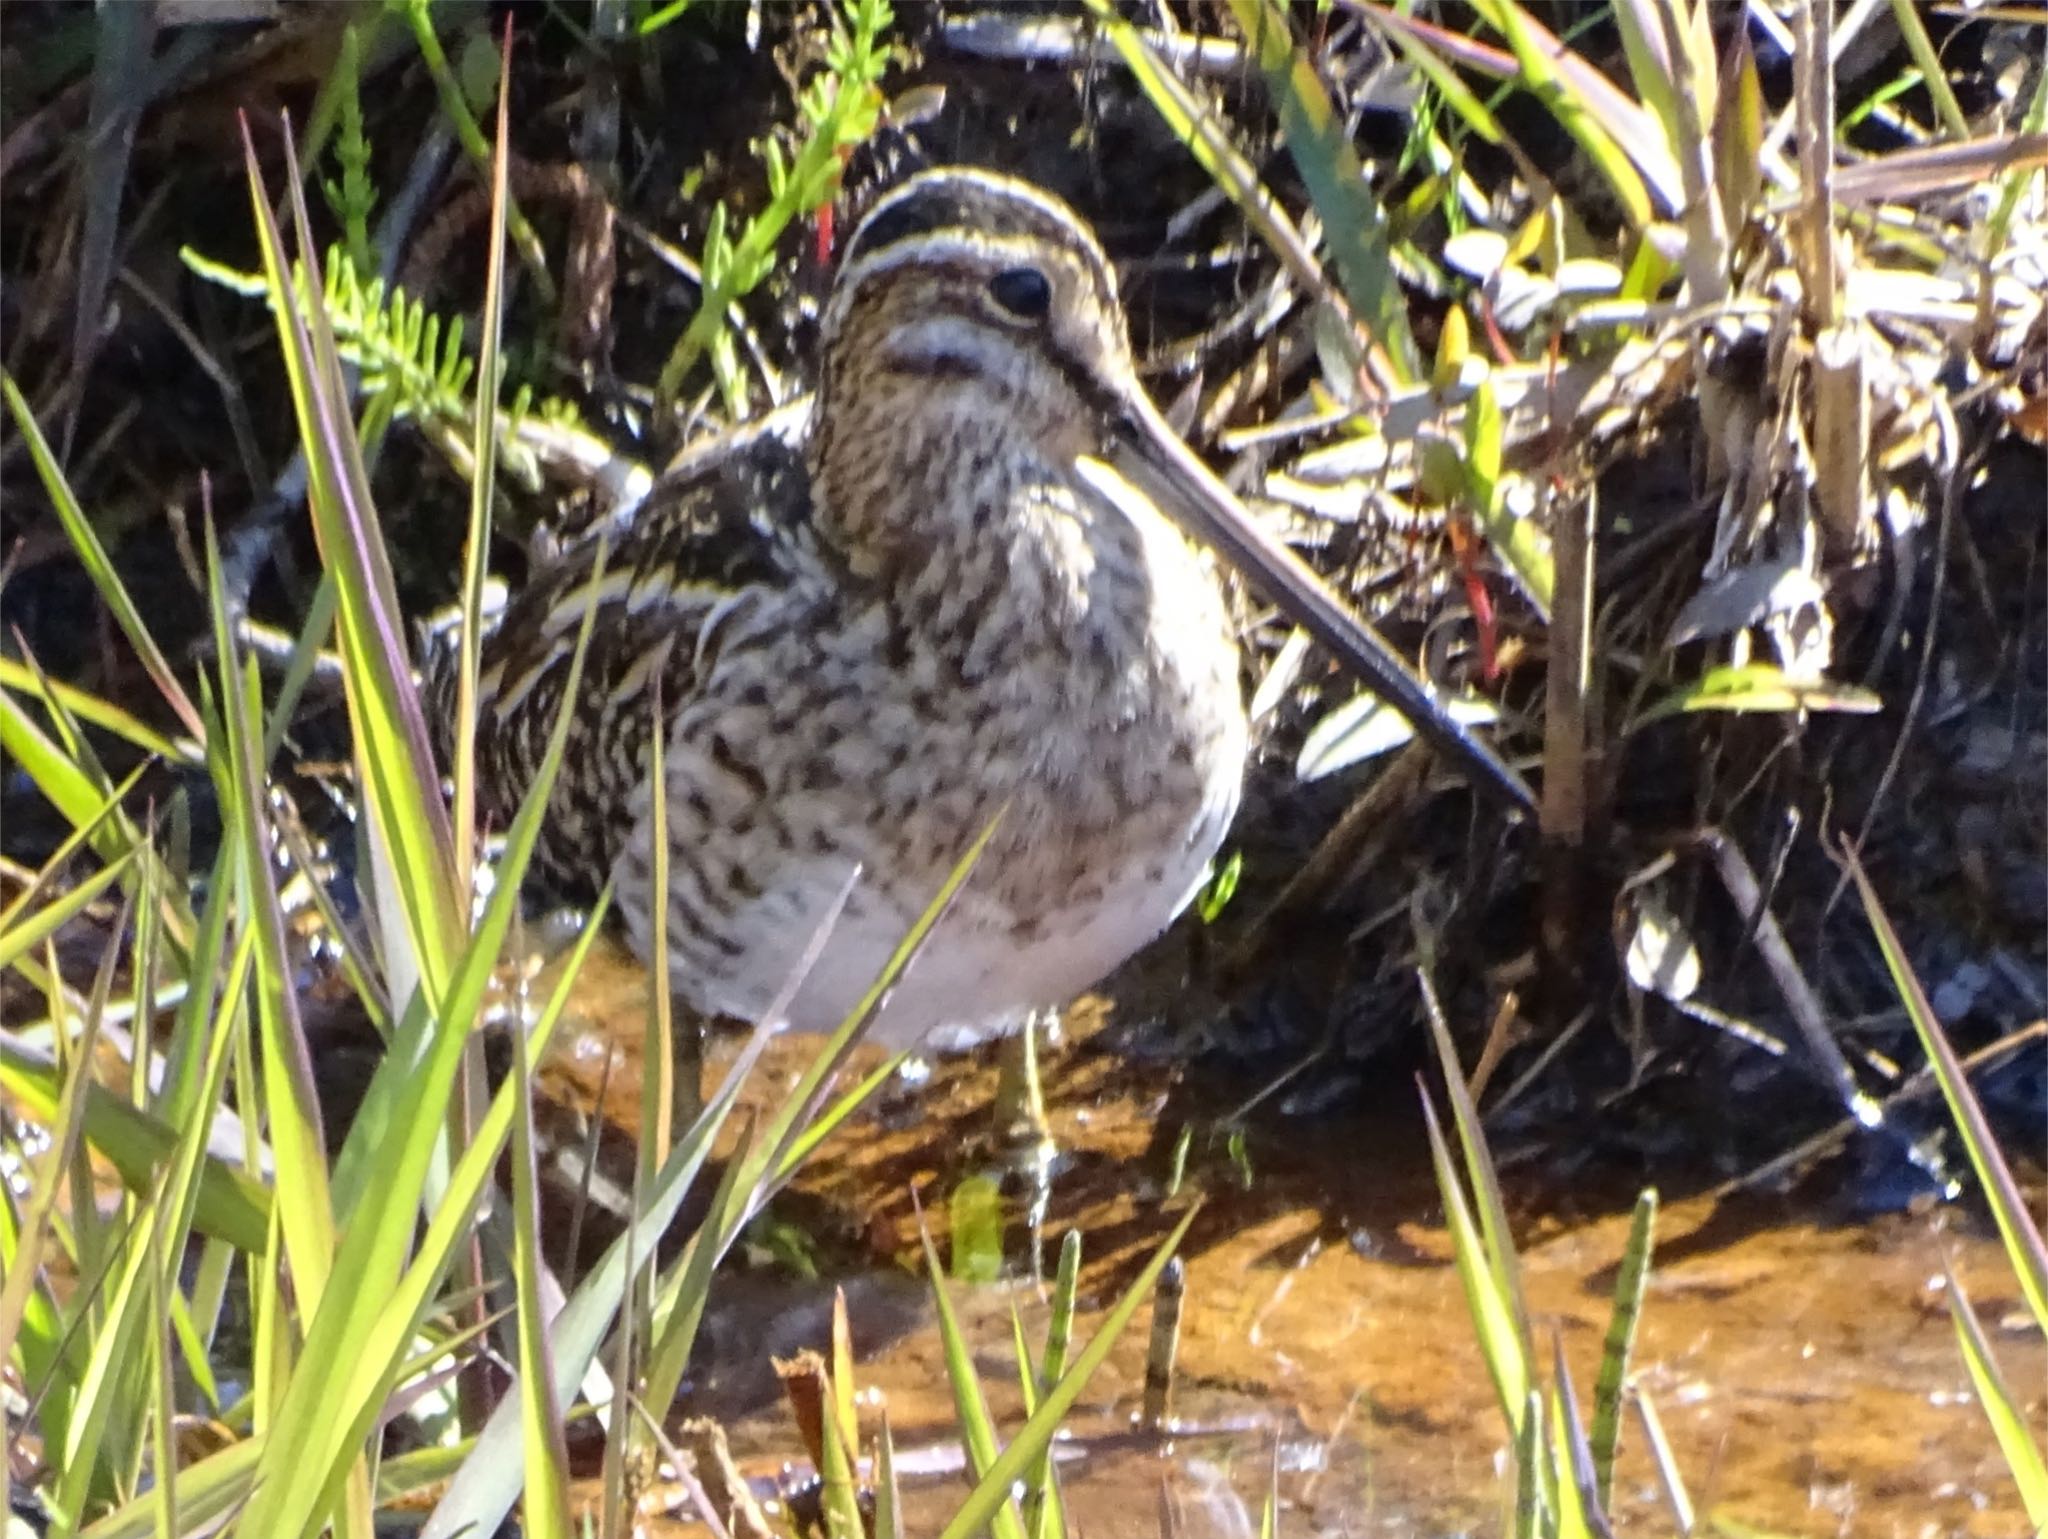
<point x="839" y="109"/>
<point x="358" y="1275"/>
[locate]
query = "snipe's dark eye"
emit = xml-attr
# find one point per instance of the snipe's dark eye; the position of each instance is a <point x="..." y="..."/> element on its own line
<point x="1023" y="291"/>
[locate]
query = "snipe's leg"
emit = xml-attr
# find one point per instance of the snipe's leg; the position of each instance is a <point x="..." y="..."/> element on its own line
<point x="1022" y="1133"/>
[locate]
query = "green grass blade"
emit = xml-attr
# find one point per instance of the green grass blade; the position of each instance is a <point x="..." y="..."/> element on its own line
<point x="22" y="937"/>
<point x="229" y="1206"/>
<point x="544" y="1512"/>
<point x="1499" y="1240"/>
<point x="888" y="1494"/>
<point x="291" y="1105"/>
<point x="162" y="1398"/>
<point x="25" y="1305"/>
<point x="1629" y="1283"/>
<point x="2007" y="1415"/>
<point x="1649" y="64"/>
<point x="1042" y="1508"/>
<point x="970" y="1408"/>
<point x="1411" y="38"/>
<point x="1579" y="1514"/>
<point x="1356" y="225"/>
<point x="104" y="714"/>
<point x="357" y="1339"/>
<point x="1619" y="136"/>
<point x="210" y="1491"/>
<point x="483" y="448"/>
<point x="991" y="1492"/>
<point x="485" y="1488"/>
<point x="2016" y="1226"/>
<point x="81" y="793"/>
<point x="1495" y="1321"/>
<point x="163" y="1218"/>
<point x="53" y="869"/>
<point x="836" y="1467"/>
<point x="92" y="555"/>
<point x="408" y="826"/>
<point x="1210" y="144"/>
<point x="1753" y="688"/>
<point x="1913" y="28"/>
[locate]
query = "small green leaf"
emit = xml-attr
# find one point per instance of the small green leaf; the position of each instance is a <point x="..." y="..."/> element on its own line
<point x="1761" y="687"/>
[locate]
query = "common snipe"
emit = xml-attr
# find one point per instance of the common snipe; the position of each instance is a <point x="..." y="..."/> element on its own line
<point x="961" y="589"/>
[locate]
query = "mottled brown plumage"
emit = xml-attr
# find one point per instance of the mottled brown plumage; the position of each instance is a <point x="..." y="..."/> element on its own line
<point x="957" y="589"/>
<point x="868" y="641"/>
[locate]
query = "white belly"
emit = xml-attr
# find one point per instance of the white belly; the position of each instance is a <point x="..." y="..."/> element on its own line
<point x="977" y="975"/>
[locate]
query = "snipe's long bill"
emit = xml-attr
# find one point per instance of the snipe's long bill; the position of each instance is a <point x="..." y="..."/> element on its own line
<point x="1186" y="488"/>
<point x="965" y="585"/>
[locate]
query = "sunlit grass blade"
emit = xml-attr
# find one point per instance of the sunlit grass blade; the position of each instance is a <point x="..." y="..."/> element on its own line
<point x="29" y="1315"/>
<point x="410" y="834"/>
<point x="1629" y="1282"/>
<point x="1355" y="225"/>
<point x="82" y="794"/>
<point x="1676" y="1496"/>
<point x="210" y="1492"/>
<point x="1933" y="76"/>
<point x="297" y="1143"/>
<point x="104" y="714"/>
<point x="1618" y="135"/>
<point x="2016" y="1226"/>
<point x="888" y="1493"/>
<point x="484" y="1490"/>
<point x="358" y="1336"/>
<point x="1579" y="1513"/>
<point x="2006" y="1413"/>
<point x="229" y="1205"/>
<point x="793" y="1130"/>
<point x="991" y="1492"/>
<point x="163" y="1281"/>
<point x="53" y="870"/>
<point x="970" y="1407"/>
<point x="1043" y="1514"/>
<point x="1752" y="688"/>
<point x="1436" y="69"/>
<point x="845" y="1397"/>
<point x="1210" y="144"/>
<point x="544" y="1512"/>
<point x="162" y="1220"/>
<point x="482" y="485"/>
<point x="392" y="1318"/>
<point x="98" y="564"/>
<point x="1499" y="1246"/>
<point x="455" y="105"/>
<point x="1495" y="1321"/>
<point x="836" y="1467"/>
<point x="19" y="938"/>
<point x="1519" y="542"/>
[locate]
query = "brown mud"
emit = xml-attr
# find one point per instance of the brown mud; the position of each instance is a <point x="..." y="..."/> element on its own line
<point x="1806" y="1373"/>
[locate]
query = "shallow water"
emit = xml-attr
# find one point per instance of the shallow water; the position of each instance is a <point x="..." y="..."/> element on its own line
<point x="1806" y="1373"/>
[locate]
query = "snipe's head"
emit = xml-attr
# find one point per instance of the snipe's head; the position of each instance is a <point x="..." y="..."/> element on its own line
<point x="963" y="292"/>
